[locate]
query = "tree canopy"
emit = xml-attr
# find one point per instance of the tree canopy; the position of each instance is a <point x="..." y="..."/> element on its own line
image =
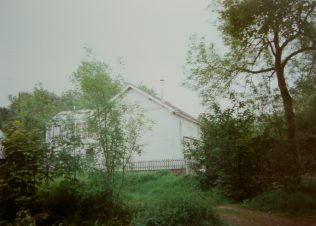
<point x="264" y="37"/>
<point x="95" y="84"/>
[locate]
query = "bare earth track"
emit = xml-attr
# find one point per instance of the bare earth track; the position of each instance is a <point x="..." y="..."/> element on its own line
<point x="238" y="216"/>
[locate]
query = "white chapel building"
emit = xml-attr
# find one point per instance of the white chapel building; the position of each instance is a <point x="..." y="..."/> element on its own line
<point x="170" y="125"/>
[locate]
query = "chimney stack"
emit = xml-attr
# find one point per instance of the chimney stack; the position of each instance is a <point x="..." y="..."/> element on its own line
<point x="161" y="91"/>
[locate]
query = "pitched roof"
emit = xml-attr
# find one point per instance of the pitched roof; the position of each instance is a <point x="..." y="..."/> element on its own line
<point x="83" y="114"/>
<point x="78" y="115"/>
<point x="175" y="110"/>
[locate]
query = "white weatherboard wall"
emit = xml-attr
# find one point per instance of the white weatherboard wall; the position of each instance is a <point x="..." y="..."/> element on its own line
<point x="164" y="140"/>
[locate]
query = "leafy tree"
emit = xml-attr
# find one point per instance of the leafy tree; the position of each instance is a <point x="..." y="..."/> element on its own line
<point x="305" y="101"/>
<point x="4" y="116"/>
<point x="34" y="109"/>
<point x="239" y="153"/>
<point x="70" y="100"/>
<point x="63" y="156"/>
<point x="117" y="126"/>
<point x="19" y="170"/>
<point x="264" y="37"/>
<point x="224" y="156"/>
<point x="95" y="85"/>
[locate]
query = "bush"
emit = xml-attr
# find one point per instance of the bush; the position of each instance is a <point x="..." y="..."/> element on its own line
<point x="61" y="202"/>
<point x="283" y="201"/>
<point x="216" y="196"/>
<point x="241" y="154"/>
<point x="178" y="208"/>
<point x="87" y="202"/>
<point x="18" y="185"/>
<point x="225" y="157"/>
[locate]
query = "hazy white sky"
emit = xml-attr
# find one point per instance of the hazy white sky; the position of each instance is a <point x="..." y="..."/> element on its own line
<point x="43" y="41"/>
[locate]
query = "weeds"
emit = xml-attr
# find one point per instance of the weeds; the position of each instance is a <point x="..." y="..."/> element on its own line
<point x="179" y="208"/>
<point x="282" y="201"/>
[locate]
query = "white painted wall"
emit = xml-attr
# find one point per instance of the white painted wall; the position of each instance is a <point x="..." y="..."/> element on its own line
<point x="164" y="140"/>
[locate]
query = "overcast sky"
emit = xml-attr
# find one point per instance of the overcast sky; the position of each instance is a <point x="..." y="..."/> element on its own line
<point x="43" y="41"/>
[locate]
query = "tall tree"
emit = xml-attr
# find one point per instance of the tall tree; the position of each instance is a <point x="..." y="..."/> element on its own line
<point x="265" y="37"/>
<point x="19" y="170"/>
<point x="116" y="133"/>
<point x="4" y="116"/>
<point x="35" y="108"/>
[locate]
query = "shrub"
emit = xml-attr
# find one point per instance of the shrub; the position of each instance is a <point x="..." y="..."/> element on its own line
<point x="178" y="208"/>
<point x="224" y="158"/>
<point x="283" y="201"/>
<point x="216" y="197"/>
<point x="61" y="202"/>
<point x="18" y="184"/>
<point x="241" y="154"/>
<point x="87" y="202"/>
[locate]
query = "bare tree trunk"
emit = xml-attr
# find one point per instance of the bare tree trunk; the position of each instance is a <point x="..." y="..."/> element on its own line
<point x="289" y="114"/>
<point x="293" y="162"/>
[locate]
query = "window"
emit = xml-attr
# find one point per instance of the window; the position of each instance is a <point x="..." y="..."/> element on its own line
<point x="89" y="152"/>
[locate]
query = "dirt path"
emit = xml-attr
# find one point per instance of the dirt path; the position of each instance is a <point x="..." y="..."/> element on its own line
<point x="238" y="216"/>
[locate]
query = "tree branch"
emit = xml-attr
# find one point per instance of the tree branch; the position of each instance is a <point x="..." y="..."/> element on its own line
<point x="257" y="56"/>
<point x="289" y="57"/>
<point x="300" y="24"/>
<point x="291" y="39"/>
<point x="257" y="71"/>
<point x="271" y="48"/>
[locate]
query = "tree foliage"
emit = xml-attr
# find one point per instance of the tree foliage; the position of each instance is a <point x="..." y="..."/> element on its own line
<point x="94" y="83"/>
<point x="240" y="153"/>
<point x="117" y="126"/>
<point x="5" y="114"/>
<point x="63" y="157"/>
<point x="40" y="179"/>
<point x="264" y="38"/>
<point x="35" y="108"/>
<point x="19" y="170"/>
<point x="305" y="102"/>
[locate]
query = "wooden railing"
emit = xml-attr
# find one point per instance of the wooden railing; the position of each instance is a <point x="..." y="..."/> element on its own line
<point x="169" y="164"/>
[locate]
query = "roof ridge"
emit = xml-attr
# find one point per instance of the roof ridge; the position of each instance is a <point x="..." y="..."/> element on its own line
<point x="164" y="102"/>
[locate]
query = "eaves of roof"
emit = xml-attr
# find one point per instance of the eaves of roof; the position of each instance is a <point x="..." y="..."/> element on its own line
<point x="175" y="110"/>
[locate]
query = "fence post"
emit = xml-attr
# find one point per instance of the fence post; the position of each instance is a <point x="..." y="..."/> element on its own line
<point x="187" y="170"/>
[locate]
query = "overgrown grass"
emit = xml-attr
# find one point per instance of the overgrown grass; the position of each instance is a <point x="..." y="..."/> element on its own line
<point x="149" y="198"/>
<point x="84" y="201"/>
<point x="143" y="187"/>
<point x="161" y="198"/>
<point x="282" y="201"/>
<point x="179" y="208"/>
<point x="300" y="201"/>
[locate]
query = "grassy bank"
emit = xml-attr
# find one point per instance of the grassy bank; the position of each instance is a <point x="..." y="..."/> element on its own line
<point x="297" y="201"/>
<point x="151" y="198"/>
<point x="161" y="198"/>
<point x="147" y="186"/>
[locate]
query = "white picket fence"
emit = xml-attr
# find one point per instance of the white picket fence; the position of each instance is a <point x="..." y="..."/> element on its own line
<point x="168" y="164"/>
